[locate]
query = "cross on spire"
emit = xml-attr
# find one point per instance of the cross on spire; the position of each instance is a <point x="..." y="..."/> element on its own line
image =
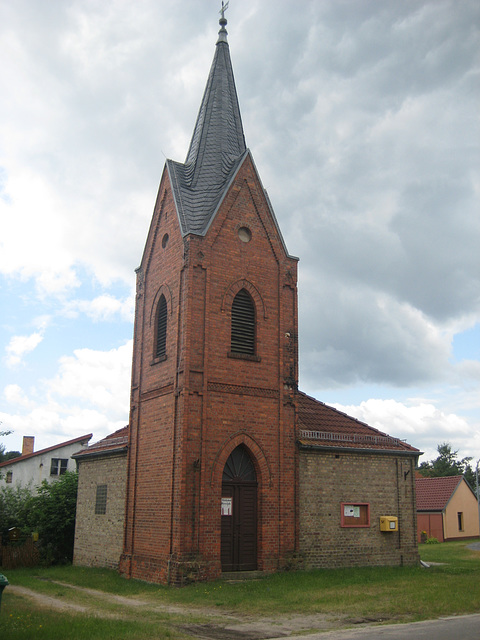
<point x="222" y="34"/>
<point x="222" y="11"/>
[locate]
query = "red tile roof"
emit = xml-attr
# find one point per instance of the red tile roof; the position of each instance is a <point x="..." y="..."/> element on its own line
<point x="116" y="442"/>
<point x="324" y="426"/>
<point x="80" y="439"/>
<point x="433" y="494"/>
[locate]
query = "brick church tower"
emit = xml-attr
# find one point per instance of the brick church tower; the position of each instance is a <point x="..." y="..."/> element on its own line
<point x="212" y="463"/>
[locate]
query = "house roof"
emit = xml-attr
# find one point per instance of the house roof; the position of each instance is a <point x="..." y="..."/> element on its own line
<point x="114" y="443"/>
<point x="433" y="494"/>
<point x="217" y="148"/>
<point x="321" y="426"/>
<point x="79" y="440"/>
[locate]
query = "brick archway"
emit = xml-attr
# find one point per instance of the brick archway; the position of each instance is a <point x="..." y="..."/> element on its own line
<point x="165" y="290"/>
<point x="264" y="475"/>
<point x="234" y="288"/>
<point x="239" y="533"/>
<point x="247" y="500"/>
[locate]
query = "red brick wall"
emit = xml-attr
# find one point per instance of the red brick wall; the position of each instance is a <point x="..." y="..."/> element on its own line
<point x="190" y="411"/>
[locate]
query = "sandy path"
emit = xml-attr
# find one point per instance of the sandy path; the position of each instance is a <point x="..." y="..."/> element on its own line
<point x="221" y="625"/>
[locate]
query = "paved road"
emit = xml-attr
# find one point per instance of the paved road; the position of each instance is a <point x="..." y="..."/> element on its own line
<point x="456" y="628"/>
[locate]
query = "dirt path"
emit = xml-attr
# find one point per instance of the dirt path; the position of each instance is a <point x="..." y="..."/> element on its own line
<point x="220" y="625"/>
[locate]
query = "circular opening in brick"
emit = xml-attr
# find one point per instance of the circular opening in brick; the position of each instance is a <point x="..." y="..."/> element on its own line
<point x="165" y="240"/>
<point x="244" y="234"/>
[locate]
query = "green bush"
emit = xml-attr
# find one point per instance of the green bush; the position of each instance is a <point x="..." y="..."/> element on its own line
<point x="49" y="510"/>
<point x="14" y="509"/>
<point x="431" y="540"/>
<point x="52" y="514"/>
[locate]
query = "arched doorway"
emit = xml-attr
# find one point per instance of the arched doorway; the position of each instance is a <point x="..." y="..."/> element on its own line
<point x="239" y="513"/>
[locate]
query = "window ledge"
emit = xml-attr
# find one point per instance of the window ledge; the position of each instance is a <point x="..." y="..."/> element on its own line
<point x="243" y="356"/>
<point x="157" y="360"/>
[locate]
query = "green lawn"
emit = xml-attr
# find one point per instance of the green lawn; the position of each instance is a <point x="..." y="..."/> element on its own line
<point x="391" y="593"/>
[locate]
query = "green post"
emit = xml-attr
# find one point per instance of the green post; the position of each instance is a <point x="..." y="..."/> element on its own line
<point x="3" y="584"/>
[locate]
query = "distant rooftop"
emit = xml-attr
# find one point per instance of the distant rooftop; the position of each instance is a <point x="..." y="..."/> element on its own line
<point x="80" y="440"/>
<point x="433" y="494"/>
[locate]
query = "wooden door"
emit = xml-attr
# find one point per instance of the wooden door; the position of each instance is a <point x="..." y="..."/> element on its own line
<point x="239" y="513"/>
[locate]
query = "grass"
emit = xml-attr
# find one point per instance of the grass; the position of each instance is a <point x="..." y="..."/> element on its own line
<point x="19" y="621"/>
<point x="387" y="593"/>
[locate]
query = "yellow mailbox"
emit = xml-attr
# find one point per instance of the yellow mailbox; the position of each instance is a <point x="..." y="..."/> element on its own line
<point x="388" y="523"/>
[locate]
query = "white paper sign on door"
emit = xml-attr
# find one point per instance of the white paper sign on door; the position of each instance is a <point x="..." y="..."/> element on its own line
<point x="227" y="506"/>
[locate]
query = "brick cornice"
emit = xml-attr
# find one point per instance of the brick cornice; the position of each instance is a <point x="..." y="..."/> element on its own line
<point x="159" y="391"/>
<point x="243" y="390"/>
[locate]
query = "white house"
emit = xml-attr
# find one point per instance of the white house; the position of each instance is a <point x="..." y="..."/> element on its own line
<point x="32" y="467"/>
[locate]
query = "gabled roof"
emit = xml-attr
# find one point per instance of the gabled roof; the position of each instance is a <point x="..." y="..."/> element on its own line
<point x="322" y="426"/>
<point x="217" y="148"/>
<point x="79" y="440"/>
<point x="433" y="494"/>
<point x="114" y="443"/>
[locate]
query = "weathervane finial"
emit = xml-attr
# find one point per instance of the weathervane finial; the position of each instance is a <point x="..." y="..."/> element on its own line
<point x="222" y="11"/>
<point x="222" y="34"/>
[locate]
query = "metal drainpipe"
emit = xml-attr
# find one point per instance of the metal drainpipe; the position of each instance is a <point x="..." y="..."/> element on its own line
<point x="478" y="497"/>
<point x="400" y="520"/>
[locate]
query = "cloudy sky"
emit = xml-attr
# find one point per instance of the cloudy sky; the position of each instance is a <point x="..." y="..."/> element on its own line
<point x="362" y="117"/>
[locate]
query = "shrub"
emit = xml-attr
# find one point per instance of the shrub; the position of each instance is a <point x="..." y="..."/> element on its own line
<point x="15" y="509"/>
<point x="48" y="510"/>
<point x="52" y="514"/>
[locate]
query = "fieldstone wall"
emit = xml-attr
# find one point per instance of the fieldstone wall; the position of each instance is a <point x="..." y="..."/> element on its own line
<point x="331" y="480"/>
<point x="99" y="537"/>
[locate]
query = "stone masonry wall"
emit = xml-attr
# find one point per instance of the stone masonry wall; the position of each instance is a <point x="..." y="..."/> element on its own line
<point x="385" y="482"/>
<point x="99" y="537"/>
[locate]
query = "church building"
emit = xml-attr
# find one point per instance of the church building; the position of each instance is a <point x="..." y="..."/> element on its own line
<point x="228" y="466"/>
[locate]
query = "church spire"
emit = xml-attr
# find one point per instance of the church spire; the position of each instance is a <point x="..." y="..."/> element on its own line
<point x="217" y="146"/>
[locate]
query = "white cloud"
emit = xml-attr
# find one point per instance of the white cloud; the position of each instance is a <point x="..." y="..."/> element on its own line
<point x="52" y="424"/>
<point x="469" y="370"/>
<point x="90" y="393"/>
<point x="102" y="308"/>
<point x="363" y="334"/>
<point x="19" y="346"/>
<point x="99" y="378"/>
<point x="15" y="395"/>
<point x="422" y="424"/>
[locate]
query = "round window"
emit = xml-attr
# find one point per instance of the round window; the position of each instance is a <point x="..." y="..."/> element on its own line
<point x="244" y="234"/>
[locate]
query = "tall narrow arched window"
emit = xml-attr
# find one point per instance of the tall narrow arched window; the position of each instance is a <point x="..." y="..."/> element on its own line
<point x="243" y="324"/>
<point x="239" y="467"/>
<point x="161" y="329"/>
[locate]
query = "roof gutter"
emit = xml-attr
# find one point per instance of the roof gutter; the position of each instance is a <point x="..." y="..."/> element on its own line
<point x="99" y="454"/>
<point x="336" y="449"/>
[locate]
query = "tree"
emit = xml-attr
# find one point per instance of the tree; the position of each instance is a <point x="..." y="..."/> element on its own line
<point x="52" y="514"/>
<point x="447" y="464"/>
<point x="14" y="509"/>
<point x="7" y="455"/>
<point x="48" y="510"/>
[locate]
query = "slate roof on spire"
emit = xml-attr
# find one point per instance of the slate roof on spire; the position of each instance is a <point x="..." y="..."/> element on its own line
<point x="216" y="150"/>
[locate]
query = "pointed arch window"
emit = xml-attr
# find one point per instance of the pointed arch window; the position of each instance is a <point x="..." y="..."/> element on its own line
<point x="239" y="467"/>
<point x="161" y="329"/>
<point x="243" y="324"/>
